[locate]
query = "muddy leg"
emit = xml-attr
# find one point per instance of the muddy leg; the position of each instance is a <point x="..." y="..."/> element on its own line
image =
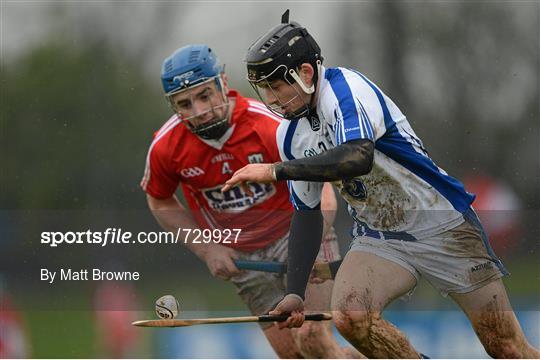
<point x="495" y="323"/>
<point x="365" y="284"/>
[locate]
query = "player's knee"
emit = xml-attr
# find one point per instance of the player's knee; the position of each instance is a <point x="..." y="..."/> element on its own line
<point x="355" y="324"/>
<point x="343" y="322"/>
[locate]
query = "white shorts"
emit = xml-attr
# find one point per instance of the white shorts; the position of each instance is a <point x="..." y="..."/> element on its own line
<point x="261" y="291"/>
<point x="459" y="260"/>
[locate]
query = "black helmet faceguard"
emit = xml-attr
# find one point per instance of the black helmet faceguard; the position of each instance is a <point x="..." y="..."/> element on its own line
<point x="211" y="131"/>
<point x="278" y="54"/>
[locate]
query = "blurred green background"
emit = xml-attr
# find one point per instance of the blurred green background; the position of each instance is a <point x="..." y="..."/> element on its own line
<point x="80" y="98"/>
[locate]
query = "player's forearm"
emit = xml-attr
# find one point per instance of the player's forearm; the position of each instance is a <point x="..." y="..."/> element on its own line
<point x="345" y="161"/>
<point x="171" y="216"/>
<point x="304" y="243"/>
<point x="328" y="207"/>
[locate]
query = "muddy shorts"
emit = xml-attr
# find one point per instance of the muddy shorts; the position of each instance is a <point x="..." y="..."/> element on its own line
<point x="459" y="260"/>
<point x="261" y="291"/>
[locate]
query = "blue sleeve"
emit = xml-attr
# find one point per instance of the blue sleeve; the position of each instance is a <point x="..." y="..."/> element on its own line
<point x="355" y="108"/>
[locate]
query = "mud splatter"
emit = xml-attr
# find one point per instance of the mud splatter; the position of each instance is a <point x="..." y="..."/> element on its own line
<point x="385" y="203"/>
<point x="465" y="241"/>
<point x="496" y="329"/>
<point x="386" y="341"/>
<point x="363" y="326"/>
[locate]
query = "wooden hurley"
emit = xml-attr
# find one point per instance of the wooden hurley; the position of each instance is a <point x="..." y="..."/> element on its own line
<point x="226" y="320"/>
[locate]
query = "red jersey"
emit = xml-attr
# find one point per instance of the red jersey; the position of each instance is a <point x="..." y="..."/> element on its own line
<point x="177" y="156"/>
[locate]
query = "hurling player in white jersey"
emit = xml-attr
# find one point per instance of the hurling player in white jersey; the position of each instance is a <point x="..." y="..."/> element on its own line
<point x="411" y="219"/>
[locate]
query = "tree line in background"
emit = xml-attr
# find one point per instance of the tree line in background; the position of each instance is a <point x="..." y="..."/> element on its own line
<point x="76" y="125"/>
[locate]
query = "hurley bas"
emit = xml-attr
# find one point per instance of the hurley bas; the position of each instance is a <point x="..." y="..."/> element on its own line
<point x="86" y="274"/>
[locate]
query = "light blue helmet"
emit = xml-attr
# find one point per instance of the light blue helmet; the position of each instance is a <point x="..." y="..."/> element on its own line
<point x="190" y="66"/>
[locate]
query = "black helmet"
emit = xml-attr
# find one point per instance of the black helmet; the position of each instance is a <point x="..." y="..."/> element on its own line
<point x="286" y="47"/>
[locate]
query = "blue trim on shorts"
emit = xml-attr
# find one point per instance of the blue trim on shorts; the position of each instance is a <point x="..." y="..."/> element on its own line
<point x="365" y="230"/>
<point x="471" y="217"/>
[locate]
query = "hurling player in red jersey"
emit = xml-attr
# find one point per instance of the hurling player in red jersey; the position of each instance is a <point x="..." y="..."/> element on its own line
<point x="215" y="131"/>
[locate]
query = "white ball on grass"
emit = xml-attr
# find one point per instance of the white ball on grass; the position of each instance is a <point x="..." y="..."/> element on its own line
<point x="167" y="307"/>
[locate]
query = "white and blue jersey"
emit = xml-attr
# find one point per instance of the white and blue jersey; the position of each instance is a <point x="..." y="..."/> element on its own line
<point x="405" y="196"/>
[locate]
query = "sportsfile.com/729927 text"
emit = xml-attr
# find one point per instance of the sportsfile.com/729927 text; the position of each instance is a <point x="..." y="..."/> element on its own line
<point x="119" y="236"/>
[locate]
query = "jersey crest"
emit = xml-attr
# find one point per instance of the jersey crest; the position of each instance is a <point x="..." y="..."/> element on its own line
<point x="355" y="188"/>
<point x="315" y="122"/>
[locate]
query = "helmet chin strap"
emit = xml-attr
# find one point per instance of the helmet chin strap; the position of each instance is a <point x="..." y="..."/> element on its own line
<point x="307" y="90"/>
<point x="309" y="108"/>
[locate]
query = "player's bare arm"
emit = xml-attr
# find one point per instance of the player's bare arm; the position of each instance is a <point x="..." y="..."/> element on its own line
<point x="171" y="215"/>
<point x="329" y="207"/>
